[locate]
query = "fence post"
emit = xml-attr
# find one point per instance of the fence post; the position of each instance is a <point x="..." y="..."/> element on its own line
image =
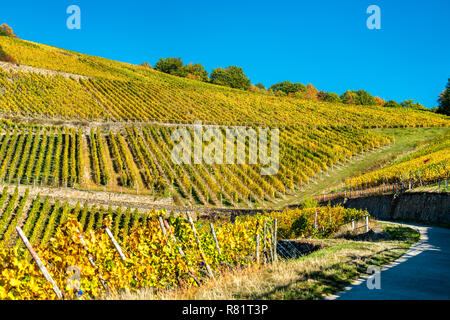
<point x="116" y="245"/>
<point x="215" y="238"/>
<point x="41" y="266"/>
<point x="197" y="240"/>
<point x="91" y="261"/>
<point x="163" y="229"/>
<point x="264" y="238"/>
<point x="315" y="220"/>
<point x="275" y="225"/>
<point x="257" y="248"/>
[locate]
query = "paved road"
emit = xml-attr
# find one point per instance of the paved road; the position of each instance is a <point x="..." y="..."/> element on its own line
<point x="422" y="273"/>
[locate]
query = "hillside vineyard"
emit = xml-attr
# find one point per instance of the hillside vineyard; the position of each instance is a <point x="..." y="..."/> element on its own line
<point x="114" y="91"/>
<point x="138" y="160"/>
<point x="430" y="163"/>
<point x="88" y="176"/>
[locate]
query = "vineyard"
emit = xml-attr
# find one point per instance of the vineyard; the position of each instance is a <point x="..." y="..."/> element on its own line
<point x="106" y="127"/>
<point x="117" y="91"/>
<point x="138" y="160"/>
<point x="160" y="251"/>
<point x="429" y="164"/>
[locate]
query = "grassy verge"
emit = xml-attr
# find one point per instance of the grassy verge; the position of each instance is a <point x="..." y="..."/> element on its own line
<point x="324" y="272"/>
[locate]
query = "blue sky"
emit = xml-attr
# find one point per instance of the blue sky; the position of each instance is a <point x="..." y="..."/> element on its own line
<point x="323" y="42"/>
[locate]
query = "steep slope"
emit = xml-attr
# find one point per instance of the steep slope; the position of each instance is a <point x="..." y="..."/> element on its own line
<point x="118" y="91"/>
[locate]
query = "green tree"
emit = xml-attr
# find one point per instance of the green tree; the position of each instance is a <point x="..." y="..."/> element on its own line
<point x="359" y="97"/>
<point x="288" y="87"/>
<point x="349" y="97"/>
<point x="196" y="71"/>
<point x="173" y="66"/>
<point x="392" y="104"/>
<point x="146" y="65"/>
<point x="328" y="97"/>
<point x="444" y="100"/>
<point x="6" y="30"/>
<point x="232" y="76"/>
<point x="260" y="86"/>
<point x="410" y="104"/>
<point x="365" y="98"/>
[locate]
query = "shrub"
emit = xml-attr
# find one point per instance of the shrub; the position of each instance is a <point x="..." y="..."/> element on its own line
<point x="287" y="87"/>
<point x="196" y="71"/>
<point x="173" y="66"/>
<point x="232" y="76"/>
<point x="392" y="104"/>
<point x="7" y="31"/>
<point x="360" y="97"/>
<point x="444" y="100"/>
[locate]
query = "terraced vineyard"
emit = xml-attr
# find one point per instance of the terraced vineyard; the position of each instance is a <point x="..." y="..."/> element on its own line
<point x="41" y="217"/>
<point x="54" y="230"/>
<point x="138" y="160"/>
<point x="117" y="91"/>
<point x="427" y="165"/>
<point x="40" y="156"/>
<point x="70" y="120"/>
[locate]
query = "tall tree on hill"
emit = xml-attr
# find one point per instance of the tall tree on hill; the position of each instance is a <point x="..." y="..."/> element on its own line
<point x="288" y="87"/>
<point x="360" y="97"/>
<point x="444" y="100"/>
<point x="196" y="71"/>
<point x="173" y="66"/>
<point x="232" y="76"/>
<point x="6" y="30"/>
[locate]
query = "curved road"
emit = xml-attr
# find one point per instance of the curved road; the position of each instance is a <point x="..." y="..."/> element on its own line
<point x="423" y="272"/>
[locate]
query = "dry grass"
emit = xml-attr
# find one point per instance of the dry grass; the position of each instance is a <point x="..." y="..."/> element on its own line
<point x="315" y="276"/>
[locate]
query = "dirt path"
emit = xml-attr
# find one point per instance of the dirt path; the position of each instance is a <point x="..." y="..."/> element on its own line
<point x="22" y="68"/>
<point x="95" y="197"/>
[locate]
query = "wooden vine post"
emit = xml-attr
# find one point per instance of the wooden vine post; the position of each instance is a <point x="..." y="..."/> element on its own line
<point x="274" y="237"/>
<point x="163" y="229"/>
<point x="264" y="238"/>
<point x="38" y="261"/>
<point x="91" y="261"/>
<point x="208" y="268"/>
<point x="181" y="252"/>
<point x="257" y="249"/>
<point x="116" y="244"/>
<point x="213" y="232"/>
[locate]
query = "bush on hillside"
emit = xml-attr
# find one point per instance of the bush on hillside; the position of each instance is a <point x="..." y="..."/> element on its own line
<point x="7" y="31"/>
<point x="444" y="100"/>
<point x="328" y="97"/>
<point x="173" y="66"/>
<point x="360" y="97"/>
<point x="232" y="76"/>
<point x="146" y="65"/>
<point x="196" y="71"/>
<point x="410" y="104"/>
<point x="392" y="104"/>
<point x="287" y="87"/>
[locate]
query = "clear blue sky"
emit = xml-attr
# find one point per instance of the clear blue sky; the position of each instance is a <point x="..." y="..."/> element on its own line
<point x="323" y="42"/>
